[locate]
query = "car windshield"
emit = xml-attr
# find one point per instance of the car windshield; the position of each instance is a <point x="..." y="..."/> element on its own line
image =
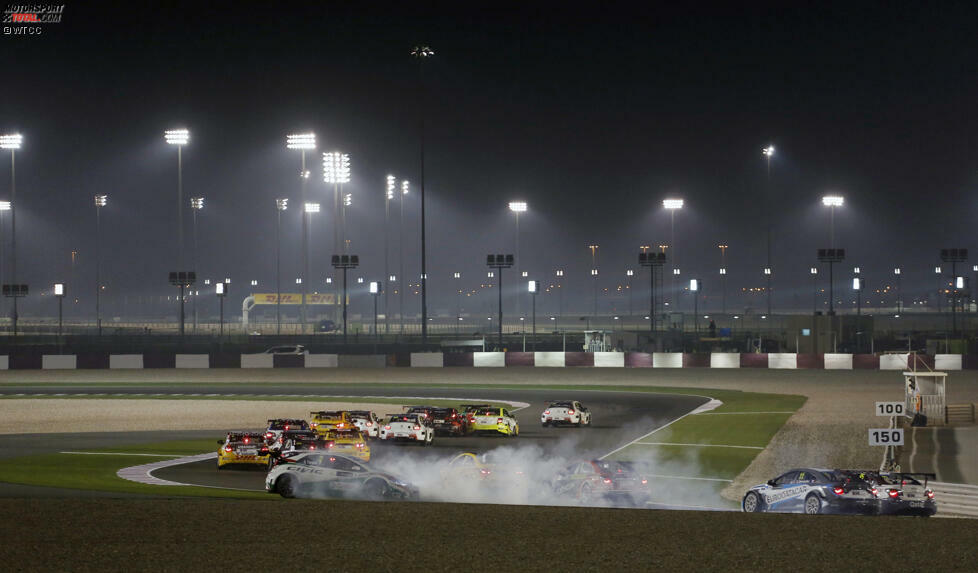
<point x="403" y="419"/>
<point x="488" y="412"/>
<point x="561" y="405"/>
<point x="287" y="424"/>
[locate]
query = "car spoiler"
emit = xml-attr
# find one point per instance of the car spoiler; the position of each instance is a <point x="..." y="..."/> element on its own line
<point x="467" y="407"/>
<point x="927" y="476"/>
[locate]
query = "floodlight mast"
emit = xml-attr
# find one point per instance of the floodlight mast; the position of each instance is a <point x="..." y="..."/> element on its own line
<point x="302" y="142"/>
<point x="336" y="172"/>
<point x="13" y="142"/>
<point x="518" y="207"/>
<point x="832" y="201"/>
<point x="281" y="204"/>
<point x="405" y="189"/>
<point x="673" y="205"/>
<point x="422" y="53"/>
<point x="500" y="262"/>
<point x="196" y="204"/>
<point x="4" y="206"/>
<point x="389" y="194"/>
<point x="345" y="262"/>
<point x="100" y="201"/>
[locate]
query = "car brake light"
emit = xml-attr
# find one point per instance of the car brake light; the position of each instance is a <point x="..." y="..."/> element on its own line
<point x="370" y="424"/>
<point x="874" y="491"/>
<point x="838" y="490"/>
<point x="607" y="480"/>
<point x="312" y="447"/>
<point x="247" y="440"/>
<point x="269" y="434"/>
<point x="417" y="427"/>
<point x="227" y="448"/>
<point x="930" y="494"/>
<point x="894" y="492"/>
<point x="645" y="481"/>
<point x="314" y="424"/>
<point x="546" y="412"/>
<point x="571" y="412"/>
<point x="360" y="446"/>
<point x="387" y="427"/>
<point x="454" y="415"/>
<point x="340" y="425"/>
<point x="499" y="420"/>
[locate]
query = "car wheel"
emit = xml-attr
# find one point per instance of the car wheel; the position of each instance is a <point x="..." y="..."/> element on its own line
<point x="375" y="489"/>
<point x="813" y="504"/>
<point x="286" y="486"/>
<point x="588" y="423"/>
<point x="752" y="502"/>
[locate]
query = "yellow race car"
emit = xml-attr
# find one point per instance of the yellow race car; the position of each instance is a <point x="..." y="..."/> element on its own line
<point x="244" y="448"/>
<point x="323" y="421"/>
<point x="495" y="420"/>
<point x="348" y="442"/>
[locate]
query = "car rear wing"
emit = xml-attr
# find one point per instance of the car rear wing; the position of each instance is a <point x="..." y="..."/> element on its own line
<point x="470" y="407"/>
<point x="915" y="475"/>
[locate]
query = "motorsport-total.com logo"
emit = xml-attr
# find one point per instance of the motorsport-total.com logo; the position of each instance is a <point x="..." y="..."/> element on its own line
<point x="30" y="19"/>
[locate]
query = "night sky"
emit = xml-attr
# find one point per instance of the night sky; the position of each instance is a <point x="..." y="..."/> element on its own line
<point x="591" y="116"/>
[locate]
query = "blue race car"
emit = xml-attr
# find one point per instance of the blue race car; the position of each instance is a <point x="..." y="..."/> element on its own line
<point x="814" y="491"/>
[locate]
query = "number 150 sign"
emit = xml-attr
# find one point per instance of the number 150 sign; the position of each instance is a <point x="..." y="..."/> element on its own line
<point x="885" y="437"/>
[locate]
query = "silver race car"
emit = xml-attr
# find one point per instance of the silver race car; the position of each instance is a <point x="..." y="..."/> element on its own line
<point x="814" y="491"/>
<point x="322" y="474"/>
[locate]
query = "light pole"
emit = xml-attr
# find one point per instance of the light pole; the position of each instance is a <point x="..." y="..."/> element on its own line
<point x="422" y="53"/>
<point x="179" y="137"/>
<point x="302" y="142"/>
<point x="594" y="276"/>
<point x="307" y="212"/>
<point x="281" y="204"/>
<point x="814" y="273"/>
<point x="500" y="262"/>
<point x="673" y="205"/>
<point x="388" y="196"/>
<point x="345" y="262"/>
<point x="652" y="261"/>
<point x="518" y="207"/>
<point x="375" y="293"/>
<point x="857" y="285"/>
<point x="458" y="302"/>
<point x="336" y="171"/>
<point x="221" y="290"/>
<point x="723" y="278"/>
<point x="767" y="276"/>
<point x="405" y="189"/>
<point x="13" y="143"/>
<point x="196" y="204"/>
<point x="534" y="288"/>
<point x="694" y="288"/>
<point x="59" y="291"/>
<point x="899" y="301"/>
<point x="560" y="296"/>
<point x="100" y="201"/>
<point x="628" y="285"/>
<point x="4" y="206"/>
<point x="768" y="153"/>
<point x="832" y="201"/>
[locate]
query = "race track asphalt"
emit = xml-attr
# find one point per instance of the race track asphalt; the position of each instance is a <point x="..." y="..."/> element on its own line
<point x="618" y="418"/>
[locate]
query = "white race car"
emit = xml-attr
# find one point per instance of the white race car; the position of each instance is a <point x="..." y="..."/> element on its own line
<point x="326" y="474"/>
<point x="367" y="422"/>
<point x="566" y="412"/>
<point x="408" y="427"/>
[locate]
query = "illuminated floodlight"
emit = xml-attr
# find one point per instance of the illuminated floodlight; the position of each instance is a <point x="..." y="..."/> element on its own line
<point x="391" y="186"/>
<point x="360" y="280"/>
<point x="560" y="272"/>
<point x="422" y="52"/>
<point x="405" y="187"/>
<point x="282" y="204"/>
<point x="312" y="207"/>
<point x="227" y="280"/>
<point x="392" y="278"/>
<point x="458" y="275"/>
<point x="298" y="280"/>
<point x="374" y="287"/>
<point x="301" y="141"/>
<point x="594" y="272"/>
<point x="694" y="285"/>
<point x="177" y="136"/>
<point x="833" y="200"/>
<point x="672" y="203"/>
<point x="676" y="272"/>
<point x="857" y="283"/>
<point x="59" y="289"/>
<point x="533" y="286"/>
<point x="329" y="280"/>
<point x="937" y="270"/>
<point x="11" y="141"/>
<point x="4" y="205"/>
<point x="517" y="206"/>
<point x="723" y="271"/>
<point x="767" y="271"/>
<point x="254" y="282"/>
<point x="813" y="270"/>
<point x="959" y="282"/>
<point x="897" y="271"/>
<point x="336" y="167"/>
<point x="768" y="151"/>
<point x="197" y="203"/>
<point x="490" y="274"/>
<point x="347" y="199"/>
<point x="101" y="200"/>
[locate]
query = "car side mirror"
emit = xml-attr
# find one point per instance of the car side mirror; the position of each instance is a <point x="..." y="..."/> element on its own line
<point x="770" y="482"/>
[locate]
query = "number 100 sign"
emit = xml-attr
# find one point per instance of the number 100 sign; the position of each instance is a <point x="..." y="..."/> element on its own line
<point x="885" y="437"/>
<point x="889" y="408"/>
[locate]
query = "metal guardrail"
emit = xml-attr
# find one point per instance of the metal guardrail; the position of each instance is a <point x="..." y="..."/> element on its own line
<point x="954" y="499"/>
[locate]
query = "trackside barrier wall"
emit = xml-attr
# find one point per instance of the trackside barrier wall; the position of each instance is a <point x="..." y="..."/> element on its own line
<point x="667" y="360"/>
<point x="753" y="360"/>
<point x="609" y="359"/>
<point x="362" y="360"/>
<point x="4" y="362"/>
<point x="724" y="360"/>
<point x="488" y="359"/>
<point x="838" y="361"/>
<point x="192" y="361"/>
<point x="947" y="362"/>
<point x="59" y="362"/>
<point x="257" y="361"/>
<point x="551" y="359"/>
<point x="893" y="361"/>
<point x="126" y="361"/>
<point x="782" y="360"/>
<point x="427" y="359"/>
<point x="518" y="358"/>
<point x="322" y="361"/>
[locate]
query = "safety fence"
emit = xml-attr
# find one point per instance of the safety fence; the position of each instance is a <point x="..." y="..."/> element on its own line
<point x="955" y="499"/>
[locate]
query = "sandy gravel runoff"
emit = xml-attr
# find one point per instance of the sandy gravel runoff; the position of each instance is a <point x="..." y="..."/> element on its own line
<point x="44" y="416"/>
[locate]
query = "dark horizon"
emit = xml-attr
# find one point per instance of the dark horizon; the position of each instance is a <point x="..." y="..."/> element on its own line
<point x="592" y="119"/>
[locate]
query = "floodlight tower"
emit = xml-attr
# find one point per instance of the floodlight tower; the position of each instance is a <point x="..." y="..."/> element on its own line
<point x="673" y="205"/>
<point x="899" y="302"/>
<point x="100" y="201"/>
<point x="405" y="189"/>
<point x="517" y="207"/>
<point x="196" y="204"/>
<point x="4" y="206"/>
<point x="500" y="262"/>
<point x="723" y="278"/>
<point x="281" y="204"/>
<point x="652" y="261"/>
<point x="832" y="201"/>
<point x="179" y="137"/>
<point x="302" y="142"/>
<point x="388" y="197"/>
<point x="336" y="171"/>
<point x="768" y="153"/>
<point x="534" y="288"/>
<point x="13" y="142"/>
<point x="345" y="262"/>
<point x="422" y="53"/>
<point x="59" y="291"/>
